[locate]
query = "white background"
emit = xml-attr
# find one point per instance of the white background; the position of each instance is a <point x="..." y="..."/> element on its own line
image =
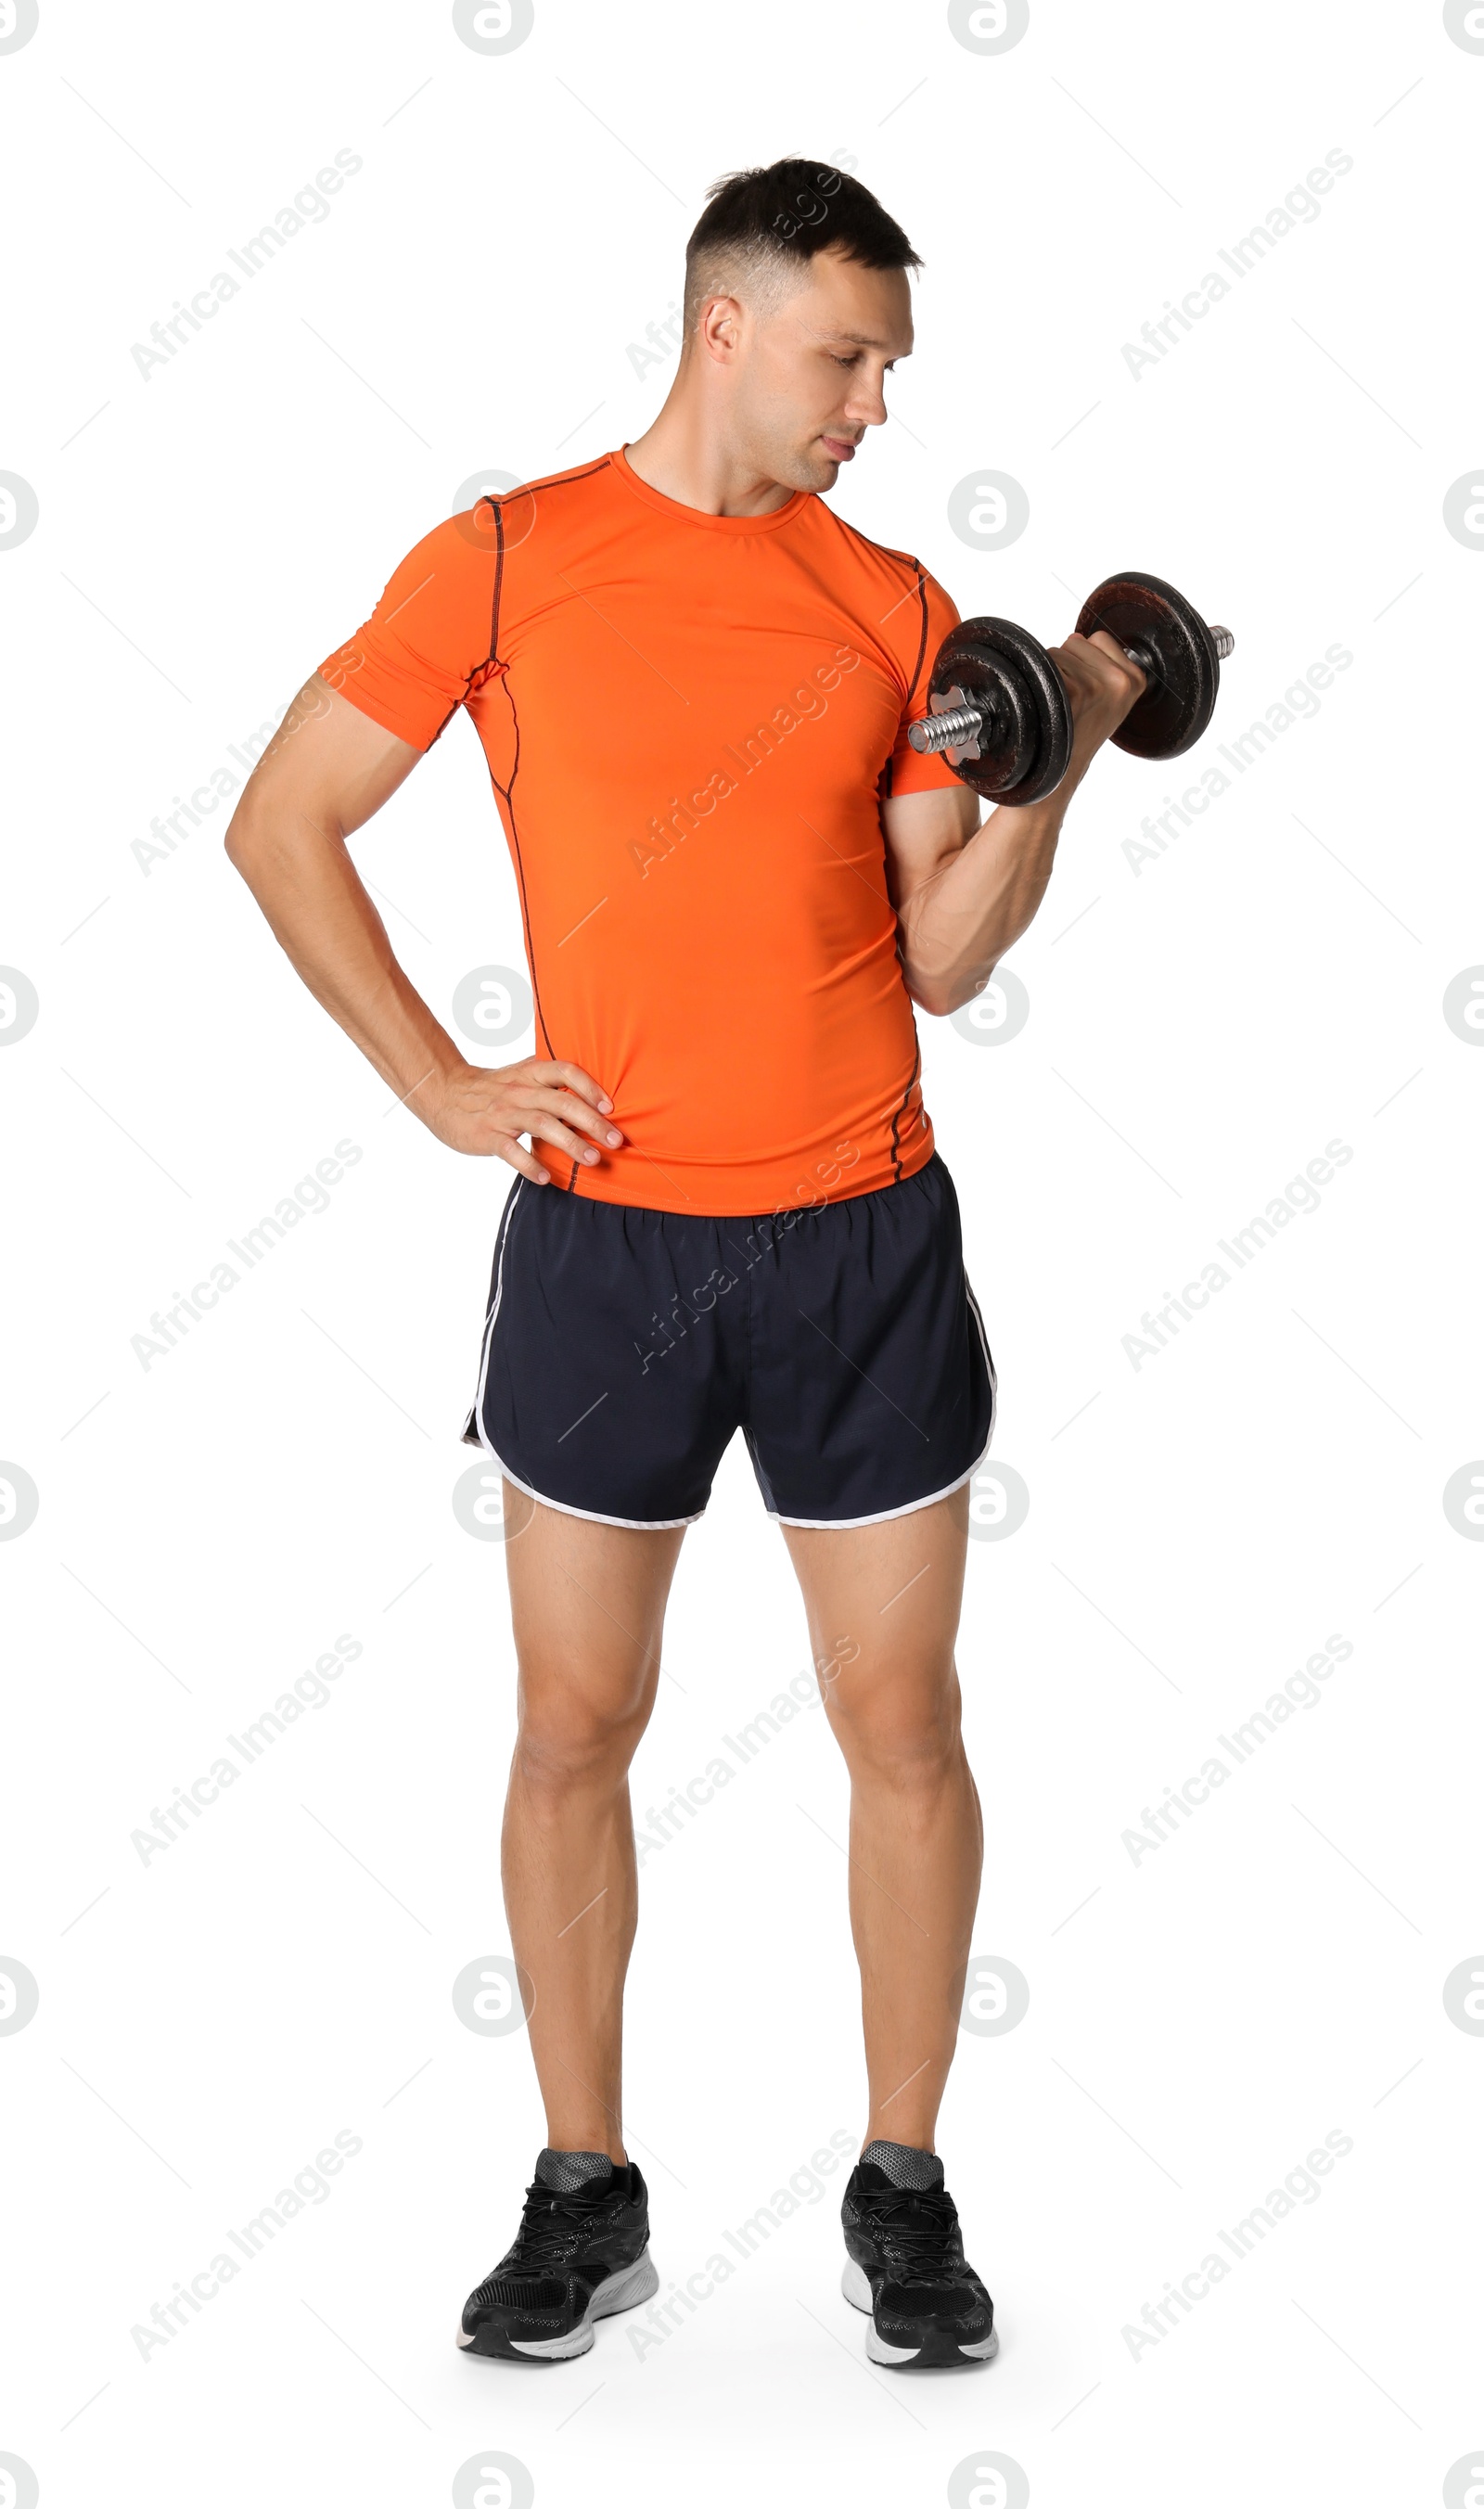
<point x="1199" y="1030"/>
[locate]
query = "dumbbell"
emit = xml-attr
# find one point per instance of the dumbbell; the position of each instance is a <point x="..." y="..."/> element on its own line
<point x="1000" y="713"/>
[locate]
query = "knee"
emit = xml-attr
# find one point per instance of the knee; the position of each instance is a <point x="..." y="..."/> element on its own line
<point x="907" y="1738"/>
<point x="564" y="1742"/>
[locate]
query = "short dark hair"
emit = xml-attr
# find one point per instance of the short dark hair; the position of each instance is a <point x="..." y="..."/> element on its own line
<point x="784" y="215"/>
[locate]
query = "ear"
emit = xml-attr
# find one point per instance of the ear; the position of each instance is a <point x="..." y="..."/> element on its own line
<point x="719" y="328"/>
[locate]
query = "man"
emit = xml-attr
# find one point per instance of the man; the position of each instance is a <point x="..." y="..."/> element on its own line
<point x="694" y="685"/>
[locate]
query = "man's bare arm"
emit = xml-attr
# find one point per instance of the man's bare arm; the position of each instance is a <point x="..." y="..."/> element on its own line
<point x="326" y="770"/>
<point x="965" y="894"/>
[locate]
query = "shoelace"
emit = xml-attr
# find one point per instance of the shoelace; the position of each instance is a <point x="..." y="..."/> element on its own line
<point x="551" y="2222"/>
<point x="913" y="2227"/>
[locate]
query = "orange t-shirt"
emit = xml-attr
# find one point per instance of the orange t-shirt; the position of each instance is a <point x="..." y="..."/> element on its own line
<point x="689" y="720"/>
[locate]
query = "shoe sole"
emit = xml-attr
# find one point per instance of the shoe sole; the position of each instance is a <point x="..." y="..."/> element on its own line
<point x="939" y="2351"/>
<point x="637" y="2282"/>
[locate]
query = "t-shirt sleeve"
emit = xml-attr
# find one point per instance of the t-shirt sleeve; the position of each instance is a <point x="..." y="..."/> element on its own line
<point x="931" y="615"/>
<point x="430" y="640"/>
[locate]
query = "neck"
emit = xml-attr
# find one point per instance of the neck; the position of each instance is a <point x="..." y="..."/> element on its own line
<point x="690" y="454"/>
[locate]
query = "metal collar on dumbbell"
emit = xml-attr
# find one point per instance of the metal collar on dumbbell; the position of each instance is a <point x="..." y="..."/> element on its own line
<point x="954" y="727"/>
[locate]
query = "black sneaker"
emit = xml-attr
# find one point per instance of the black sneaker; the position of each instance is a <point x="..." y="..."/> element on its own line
<point x="905" y="2264"/>
<point x="582" y="2251"/>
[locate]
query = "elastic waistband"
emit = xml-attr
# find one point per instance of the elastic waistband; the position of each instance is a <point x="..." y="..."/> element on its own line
<point x="932" y="1175"/>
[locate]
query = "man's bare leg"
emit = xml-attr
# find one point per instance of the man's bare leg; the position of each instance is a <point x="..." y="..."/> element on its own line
<point x="588" y="1604"/>
<point x="883" y="1603"/>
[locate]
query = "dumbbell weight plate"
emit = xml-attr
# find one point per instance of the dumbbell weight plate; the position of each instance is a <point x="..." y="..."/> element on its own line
<point x="1026" y="739"/>
<point x="1144" y="612"/>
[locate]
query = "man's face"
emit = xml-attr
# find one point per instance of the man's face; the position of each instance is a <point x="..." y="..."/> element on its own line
<point x="811" y="376"/>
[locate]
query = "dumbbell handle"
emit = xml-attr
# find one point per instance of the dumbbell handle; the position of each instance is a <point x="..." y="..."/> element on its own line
<point x="939" y="732"/>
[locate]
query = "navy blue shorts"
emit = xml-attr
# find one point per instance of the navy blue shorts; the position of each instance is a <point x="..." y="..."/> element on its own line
<point x="623" y="1347"/>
